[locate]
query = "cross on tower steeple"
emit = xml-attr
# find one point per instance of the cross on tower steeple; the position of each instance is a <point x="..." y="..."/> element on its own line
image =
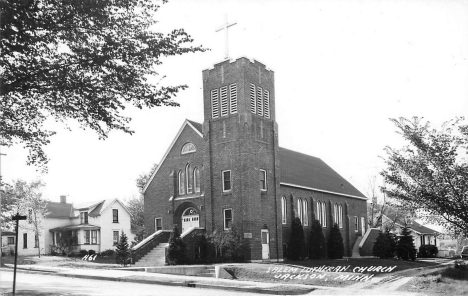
<point x="225" y="27"/>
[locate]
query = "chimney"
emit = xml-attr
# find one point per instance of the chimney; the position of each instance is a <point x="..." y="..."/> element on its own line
<point x="63" y="199"/>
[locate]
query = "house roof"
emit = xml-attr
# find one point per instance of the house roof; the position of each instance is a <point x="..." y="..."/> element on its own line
<point x="8" y="233"/>
<point x="422" y="229"/>
<point x="312" y="172"/>
<point x="59" y="209"/>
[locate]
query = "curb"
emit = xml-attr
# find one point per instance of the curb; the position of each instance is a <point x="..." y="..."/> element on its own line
<point x="171" y="283"/>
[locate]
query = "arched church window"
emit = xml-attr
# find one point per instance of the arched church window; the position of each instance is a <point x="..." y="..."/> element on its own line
<point x="196" y="179"/>
<point x="304" y="212"/>
<point x="283" y="210"/>
<point x="188" y="148"/>
<point x="181" y="182"/>
<point x="189" y="178"/>
<point x="299" y="210"/>
<point x="319" y="212"/>
<point x="323" y="214"/>
<point x="340" y="216"/>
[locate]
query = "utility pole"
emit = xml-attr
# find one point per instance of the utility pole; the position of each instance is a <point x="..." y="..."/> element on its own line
<point x="16" y="218"/>
<point x="1" y="154"/>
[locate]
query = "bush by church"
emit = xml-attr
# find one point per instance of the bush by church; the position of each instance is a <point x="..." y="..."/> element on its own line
<point x="317" y="245"/>
<point x="335" y="243"/>
<point x="405" y="247"/>
<point x="297" y="242"/>
<point x="385" y="245"/>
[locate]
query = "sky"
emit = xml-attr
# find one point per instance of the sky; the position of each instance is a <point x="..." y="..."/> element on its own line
<point x="342" y="69"/>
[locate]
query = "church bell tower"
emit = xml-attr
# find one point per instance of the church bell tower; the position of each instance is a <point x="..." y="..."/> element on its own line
<point x="241" y="165"/>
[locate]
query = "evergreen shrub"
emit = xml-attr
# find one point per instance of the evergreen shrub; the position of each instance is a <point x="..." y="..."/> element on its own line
<point x="297" y="242"/>
<point x="317" y="244"/>
<point x="335" y="243"/>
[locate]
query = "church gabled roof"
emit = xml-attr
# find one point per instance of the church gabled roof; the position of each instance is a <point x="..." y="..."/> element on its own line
<point x="313" y="173"/>
<point x="197" y="127"/>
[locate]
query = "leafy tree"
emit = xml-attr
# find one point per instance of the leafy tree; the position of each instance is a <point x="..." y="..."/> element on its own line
<point x="297" y="242"/>
<point x="29" y="202"/>
<point x="136" y="207"/>
<point x="122" y="251"/>
<point x="8" y="208"/>
<point x="335" y="243"/>
<point x="405" y="247"/>
<point x="317" y="245"/>
<point x="385" y="245"/>
<point x="227" y="245"/>
<point x="177" y="251"/>
<point x="144" y="178"/>
<point x="431" y="173"/>
<point x="85" y="60"/>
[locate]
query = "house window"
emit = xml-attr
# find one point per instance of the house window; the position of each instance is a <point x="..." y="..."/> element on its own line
<point x="181" y="182"/>
<point x="227" y="219"/>
<point x="94" y="237"/>
<point x="299" y="210"/>
<point x="36" y="241"/>
<point x="188" y="148"/>
<point x="115" y="238"/>
<point x="189" y="175"/>
<point x="226" y="181"/>
<point x="115" y="215"/>
<point x="263" y="182"/>
<point x="25" y="240"/>
<point x="283" y="210"/>
<point x="196" y="179"/>
<point x="87" y="237"/>
<point x="11" y="240"/>
<point x="84" y="217"/>
<point x="158" y="224"/>
<point x="304" y="212"/>
<point x="356" y="224"/>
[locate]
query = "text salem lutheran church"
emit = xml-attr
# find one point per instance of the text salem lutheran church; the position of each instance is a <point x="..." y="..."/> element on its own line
<point x="230" y="171"/>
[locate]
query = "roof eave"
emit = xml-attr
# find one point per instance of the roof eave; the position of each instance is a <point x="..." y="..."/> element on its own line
<point x="321" y="190"/>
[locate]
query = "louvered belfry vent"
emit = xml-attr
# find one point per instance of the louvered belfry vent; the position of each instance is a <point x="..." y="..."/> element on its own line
<point x="233" y="97"/>
<point x="253" y="102"/>
<point x="266" y="103"/>
<point x="214" y="103"/>
<point x="224" y="101"/>
<point x="259" y="101"/>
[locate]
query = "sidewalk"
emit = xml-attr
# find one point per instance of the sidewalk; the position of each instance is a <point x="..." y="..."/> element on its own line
<point x="169" y="280"/>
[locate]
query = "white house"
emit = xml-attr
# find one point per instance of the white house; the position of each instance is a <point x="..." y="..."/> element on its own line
<point x="95" y="225"/>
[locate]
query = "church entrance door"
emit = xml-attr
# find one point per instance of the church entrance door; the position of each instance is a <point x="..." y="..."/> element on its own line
<point x="265" y="244"/>
<point x="190" y="218"/>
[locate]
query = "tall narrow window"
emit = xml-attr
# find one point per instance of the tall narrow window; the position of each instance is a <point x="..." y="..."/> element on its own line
<point x="324" y="215"/>
<point x="196" y="179"/>
<point x="87" y="237"/>
<point x="263" y="180"/>
<point x="305" y="212"/>
<point x="283" y="210"/>
<point x="227" y="218"/>
<point x="266" y="103"/>
<point x="214" y="103"/>
<point x="158" y="224"/>
<point x="94" y="237"/>
<point x="224" y="101"/>
<point x="319" y="212"/>
<point x="36" y="241"/>
<point x="25" y="240"/>
<point x="356" y="224"/>
<point x="84" y="217"/>
<point x="253" y="101"/>
<point x="226" y="181"/>
<point x="335" y="213"/>
<point x="340" y="216"/>
<point x="189" y="175"/>
<point x="299" y="210"/>
<point x="181" y="182"/>
<point x="115" y="237"/>
<point x="233" y="97"/>
<point x="259" y="101"/>
<point x="115" y="215"/>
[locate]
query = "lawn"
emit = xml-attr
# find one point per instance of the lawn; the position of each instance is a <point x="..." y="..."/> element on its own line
<point x="450" y="281"/>
<point x="335" y="273"/>
<point x="63" y="261"/>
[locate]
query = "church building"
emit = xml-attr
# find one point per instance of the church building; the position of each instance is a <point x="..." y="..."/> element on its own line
<point x="230" y="171"/>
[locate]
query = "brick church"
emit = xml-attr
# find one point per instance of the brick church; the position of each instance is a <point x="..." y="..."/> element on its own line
<point x="229" y="170"/>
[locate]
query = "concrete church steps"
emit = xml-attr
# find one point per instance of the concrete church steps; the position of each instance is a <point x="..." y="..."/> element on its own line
<point x="209" y="272"/>
<point x="356" y="247"/>
<point x="157" y="257"/>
